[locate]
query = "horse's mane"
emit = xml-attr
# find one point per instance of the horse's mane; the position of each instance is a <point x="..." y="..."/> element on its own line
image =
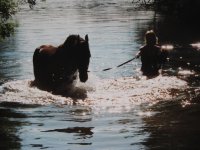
<point x="71" y="41"/>
<point x="69" y="47"/>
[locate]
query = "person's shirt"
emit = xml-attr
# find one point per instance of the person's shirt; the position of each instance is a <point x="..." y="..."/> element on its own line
<point x="150" y="54"/>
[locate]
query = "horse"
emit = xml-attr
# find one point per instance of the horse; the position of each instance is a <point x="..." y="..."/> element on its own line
<point x="57" y="67"/>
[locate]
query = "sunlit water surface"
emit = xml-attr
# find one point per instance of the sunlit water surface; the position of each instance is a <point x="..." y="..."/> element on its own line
<point x="116" y="109"/>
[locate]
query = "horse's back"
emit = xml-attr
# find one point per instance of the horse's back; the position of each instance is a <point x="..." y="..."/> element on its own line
<point x="47" y="49"/>
<point x="43" y="53"/>
<point x="42" y="63"/>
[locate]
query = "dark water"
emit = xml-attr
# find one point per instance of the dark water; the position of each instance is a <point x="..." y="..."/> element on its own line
<point x="117" y="109"/>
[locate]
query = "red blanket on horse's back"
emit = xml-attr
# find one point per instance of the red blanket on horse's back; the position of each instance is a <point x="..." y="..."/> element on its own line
<point x="48" y="49"/>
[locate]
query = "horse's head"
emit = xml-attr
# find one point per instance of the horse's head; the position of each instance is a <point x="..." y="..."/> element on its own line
<point x="83" y="57"/>
<point x="80" y="52"/>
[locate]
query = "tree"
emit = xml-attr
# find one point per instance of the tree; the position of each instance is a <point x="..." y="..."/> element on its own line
<point x="7" y="9"/>
<point x="185" y="10"/>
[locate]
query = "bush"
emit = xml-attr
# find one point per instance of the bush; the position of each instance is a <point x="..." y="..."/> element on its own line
<point x="7" y="9"/>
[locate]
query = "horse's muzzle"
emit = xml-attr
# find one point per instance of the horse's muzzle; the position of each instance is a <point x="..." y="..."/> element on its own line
<point x="83" y="76"/>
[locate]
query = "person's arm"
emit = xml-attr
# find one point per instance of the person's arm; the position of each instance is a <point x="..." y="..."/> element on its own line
<point x="163" y="56"/>
<point x="138" y="54"/>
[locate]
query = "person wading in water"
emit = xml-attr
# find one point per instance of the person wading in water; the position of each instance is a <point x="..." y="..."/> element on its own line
<point x="151" y="55"/>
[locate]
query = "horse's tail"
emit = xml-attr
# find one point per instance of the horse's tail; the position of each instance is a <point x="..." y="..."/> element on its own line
<point x="36" y="63"/>
<point x="36" y="56"/>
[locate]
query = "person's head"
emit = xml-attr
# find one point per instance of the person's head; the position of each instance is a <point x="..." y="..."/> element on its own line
<point x="150" y="38"/>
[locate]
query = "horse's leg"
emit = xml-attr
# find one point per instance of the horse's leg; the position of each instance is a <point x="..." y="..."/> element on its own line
<point x="36" y="65"/>
<point x="42" y="72"/>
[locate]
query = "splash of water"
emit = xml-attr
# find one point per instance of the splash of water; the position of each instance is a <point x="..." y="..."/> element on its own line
<point x="113" y="95"/>
<point x="196" y="45"/>
<point x="21" y="91"/>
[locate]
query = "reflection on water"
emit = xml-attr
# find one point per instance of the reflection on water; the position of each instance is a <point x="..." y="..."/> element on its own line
<point x="8" y="129"/>
<point x="173" y="126"/>
<point x="116" y="109"/>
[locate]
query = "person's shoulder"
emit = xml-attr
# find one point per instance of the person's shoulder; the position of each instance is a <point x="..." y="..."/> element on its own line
<point x="157" y="47"/>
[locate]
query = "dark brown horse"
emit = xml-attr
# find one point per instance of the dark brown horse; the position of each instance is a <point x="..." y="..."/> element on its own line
<point x="55" y="67"/>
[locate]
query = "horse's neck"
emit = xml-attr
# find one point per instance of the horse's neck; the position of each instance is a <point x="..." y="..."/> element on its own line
<point x="48" y="49"/>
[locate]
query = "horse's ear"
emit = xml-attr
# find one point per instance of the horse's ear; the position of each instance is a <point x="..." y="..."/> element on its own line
<point x="86" y="38"/>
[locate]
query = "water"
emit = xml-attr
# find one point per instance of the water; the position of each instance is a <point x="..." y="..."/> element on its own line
<point x="117" y="109"/>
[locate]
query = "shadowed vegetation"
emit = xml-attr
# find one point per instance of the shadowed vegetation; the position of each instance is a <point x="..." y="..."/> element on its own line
<point x="8" y="8"/>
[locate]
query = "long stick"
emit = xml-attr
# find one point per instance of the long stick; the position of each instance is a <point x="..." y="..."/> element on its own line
<point x="120" y="64"/>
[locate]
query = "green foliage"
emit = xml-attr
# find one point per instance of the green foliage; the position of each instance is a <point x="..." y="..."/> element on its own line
<point x="7" y="9"/>
<point x="6" y="29"/>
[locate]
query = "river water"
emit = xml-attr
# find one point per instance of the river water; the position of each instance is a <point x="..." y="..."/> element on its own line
<point x="117" y="109"/>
